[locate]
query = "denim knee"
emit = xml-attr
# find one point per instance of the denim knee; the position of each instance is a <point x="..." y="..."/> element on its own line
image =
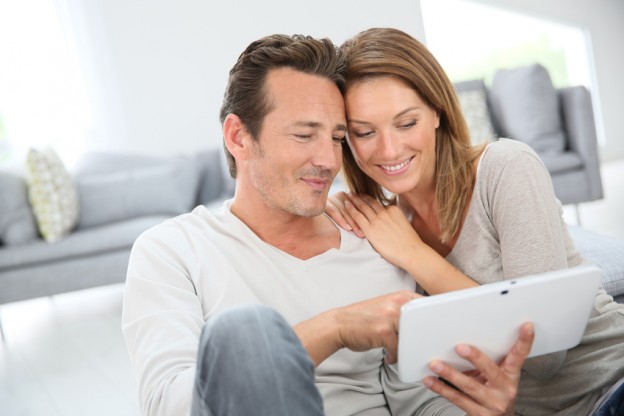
<point x="239" y="324"/>
<point x="252" y="349"/>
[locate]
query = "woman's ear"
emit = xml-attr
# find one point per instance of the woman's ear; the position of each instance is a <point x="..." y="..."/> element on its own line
<point x="236" y="137"/>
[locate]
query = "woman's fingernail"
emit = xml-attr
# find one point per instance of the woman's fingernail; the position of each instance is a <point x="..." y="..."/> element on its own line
<point x="436" y="366"/>
<point x="463" y="350"/>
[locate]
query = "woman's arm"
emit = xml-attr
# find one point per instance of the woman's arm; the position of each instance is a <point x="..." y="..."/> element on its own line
<point x="526" y="215"/>
<point x="391" y="234"/>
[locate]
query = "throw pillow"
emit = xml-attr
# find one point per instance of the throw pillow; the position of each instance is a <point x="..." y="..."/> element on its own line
<point x="526" y="106"/>
<point x="473" y="101"/>
<point x="52" y="194"/>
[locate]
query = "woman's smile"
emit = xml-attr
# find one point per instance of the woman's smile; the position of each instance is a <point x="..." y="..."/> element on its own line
<point x="398" y="168"/>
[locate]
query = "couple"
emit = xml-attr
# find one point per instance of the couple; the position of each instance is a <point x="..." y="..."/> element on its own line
<point x="265" y="306"/>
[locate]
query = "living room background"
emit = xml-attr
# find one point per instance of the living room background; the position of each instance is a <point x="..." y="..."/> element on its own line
<point x="154" y="71"/>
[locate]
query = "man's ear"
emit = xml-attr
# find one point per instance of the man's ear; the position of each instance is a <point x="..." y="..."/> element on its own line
<point x="236" y="137"/>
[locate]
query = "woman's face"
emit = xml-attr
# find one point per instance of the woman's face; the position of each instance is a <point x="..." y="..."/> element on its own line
<point x="392" y="134"/>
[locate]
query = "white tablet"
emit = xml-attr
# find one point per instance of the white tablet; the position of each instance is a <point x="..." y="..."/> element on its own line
<point x="489" y="317"/>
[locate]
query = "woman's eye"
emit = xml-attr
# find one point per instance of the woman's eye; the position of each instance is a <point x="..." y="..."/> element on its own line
<point x="363" y="134"/>
<point x="408" y="124"/>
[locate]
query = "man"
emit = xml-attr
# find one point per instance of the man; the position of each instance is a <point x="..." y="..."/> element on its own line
<point x="326" y="340"/>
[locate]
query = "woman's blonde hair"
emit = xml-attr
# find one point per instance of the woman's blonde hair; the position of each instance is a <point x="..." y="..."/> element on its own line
<point x="381" y="52"/>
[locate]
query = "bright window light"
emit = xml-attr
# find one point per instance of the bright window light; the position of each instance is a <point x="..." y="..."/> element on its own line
<point x="43" y="100"/>
<point x="472" y="40"/>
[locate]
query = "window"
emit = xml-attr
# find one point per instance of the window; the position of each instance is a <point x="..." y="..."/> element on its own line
<point x="472" y="40"/>
<point x="42" y="95"/>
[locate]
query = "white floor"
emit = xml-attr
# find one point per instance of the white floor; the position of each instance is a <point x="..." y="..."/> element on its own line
<point x="65" y="355"/>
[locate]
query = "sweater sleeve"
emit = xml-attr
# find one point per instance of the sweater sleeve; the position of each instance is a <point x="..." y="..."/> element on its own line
<point x="162" y="321"/>
<point x="527" y="218"/>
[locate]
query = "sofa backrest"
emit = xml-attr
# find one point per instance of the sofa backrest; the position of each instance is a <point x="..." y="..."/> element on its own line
<point x="17" y="223"/>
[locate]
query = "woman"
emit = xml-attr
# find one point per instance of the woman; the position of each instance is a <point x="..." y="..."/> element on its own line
<point x="462" y="211"/>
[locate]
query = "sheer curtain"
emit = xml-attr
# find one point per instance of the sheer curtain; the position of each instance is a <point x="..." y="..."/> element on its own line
<point x="43" y="100"/>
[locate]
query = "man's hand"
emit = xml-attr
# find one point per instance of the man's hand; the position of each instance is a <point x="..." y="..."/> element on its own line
<point x="491" y="389"/>
<point x="361" y="326"/>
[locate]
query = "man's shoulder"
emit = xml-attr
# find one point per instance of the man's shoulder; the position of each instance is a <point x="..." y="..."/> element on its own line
<point x="199" y="221"/>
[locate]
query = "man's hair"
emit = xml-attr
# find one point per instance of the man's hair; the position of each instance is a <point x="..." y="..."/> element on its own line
<point x="246" y="93"/>
<point x="385" y="52"/>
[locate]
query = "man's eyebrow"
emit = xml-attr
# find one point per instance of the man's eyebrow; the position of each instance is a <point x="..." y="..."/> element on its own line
<point x="316" y="124"/>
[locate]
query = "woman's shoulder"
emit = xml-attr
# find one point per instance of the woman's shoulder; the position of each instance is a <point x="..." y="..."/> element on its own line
<point x="503" y="152"/>
<point x="506" y="149"/>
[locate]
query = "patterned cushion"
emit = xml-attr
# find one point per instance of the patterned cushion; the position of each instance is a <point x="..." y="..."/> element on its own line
<point x="473" y="100"/>
<point x="52" y="194"/>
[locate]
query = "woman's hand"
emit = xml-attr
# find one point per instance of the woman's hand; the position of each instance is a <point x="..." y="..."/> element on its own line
<point x="392" y="235"/>
<point x="491" y="389"/>
<point x="386" y="228"/>
<point x="335" y="208"/>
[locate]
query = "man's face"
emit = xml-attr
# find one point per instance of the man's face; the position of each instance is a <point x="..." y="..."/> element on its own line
<point x="298" y="152"/>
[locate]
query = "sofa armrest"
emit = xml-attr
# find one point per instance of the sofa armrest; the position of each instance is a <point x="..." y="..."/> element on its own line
<point x="580" y="131"/>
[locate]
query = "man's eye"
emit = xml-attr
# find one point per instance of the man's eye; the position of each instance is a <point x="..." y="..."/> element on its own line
<point x="303" y="137"/>
<point x="339" y="139"/>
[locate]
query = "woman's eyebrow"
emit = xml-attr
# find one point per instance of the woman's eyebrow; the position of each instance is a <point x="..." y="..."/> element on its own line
<point x="400" y="114"/>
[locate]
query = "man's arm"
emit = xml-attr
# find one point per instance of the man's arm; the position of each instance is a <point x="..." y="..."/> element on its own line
<point x="361" y="326"/>
<point x="162" y="321"/>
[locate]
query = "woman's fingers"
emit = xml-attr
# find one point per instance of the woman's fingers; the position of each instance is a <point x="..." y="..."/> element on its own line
<point x="491" y="389"/>
<point x="338" y="212"/>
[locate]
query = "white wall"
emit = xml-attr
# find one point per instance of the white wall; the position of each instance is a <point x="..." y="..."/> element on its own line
<point x="159" y="67"/>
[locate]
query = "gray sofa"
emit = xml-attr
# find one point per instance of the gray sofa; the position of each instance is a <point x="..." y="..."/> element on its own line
<point x="120" y="197"/>
<point x="558" y="124"/>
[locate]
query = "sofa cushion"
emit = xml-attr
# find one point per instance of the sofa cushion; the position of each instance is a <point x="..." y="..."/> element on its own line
<point x="52" y="194"/>
<point x="118" y="187"/>
<point x="216" y="184"/>
<point x="561" y="162"/>
<point x="526" y="107"/>
<point x="606" y="252"/>
<point x="79" y="244"/>
<point x="17" y="224"/>
<point x="472" y="97"/>
<point x="229" y="182"/>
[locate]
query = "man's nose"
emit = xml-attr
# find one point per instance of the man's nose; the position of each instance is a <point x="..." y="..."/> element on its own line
<point x="328" y="155"/>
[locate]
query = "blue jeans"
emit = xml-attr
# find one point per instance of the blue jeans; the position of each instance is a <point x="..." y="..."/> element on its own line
<point x="250" y="362"/>
<point x="614" y="405"/>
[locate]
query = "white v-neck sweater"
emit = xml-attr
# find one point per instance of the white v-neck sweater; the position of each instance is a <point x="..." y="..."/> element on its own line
<point x="188" y="268"/>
